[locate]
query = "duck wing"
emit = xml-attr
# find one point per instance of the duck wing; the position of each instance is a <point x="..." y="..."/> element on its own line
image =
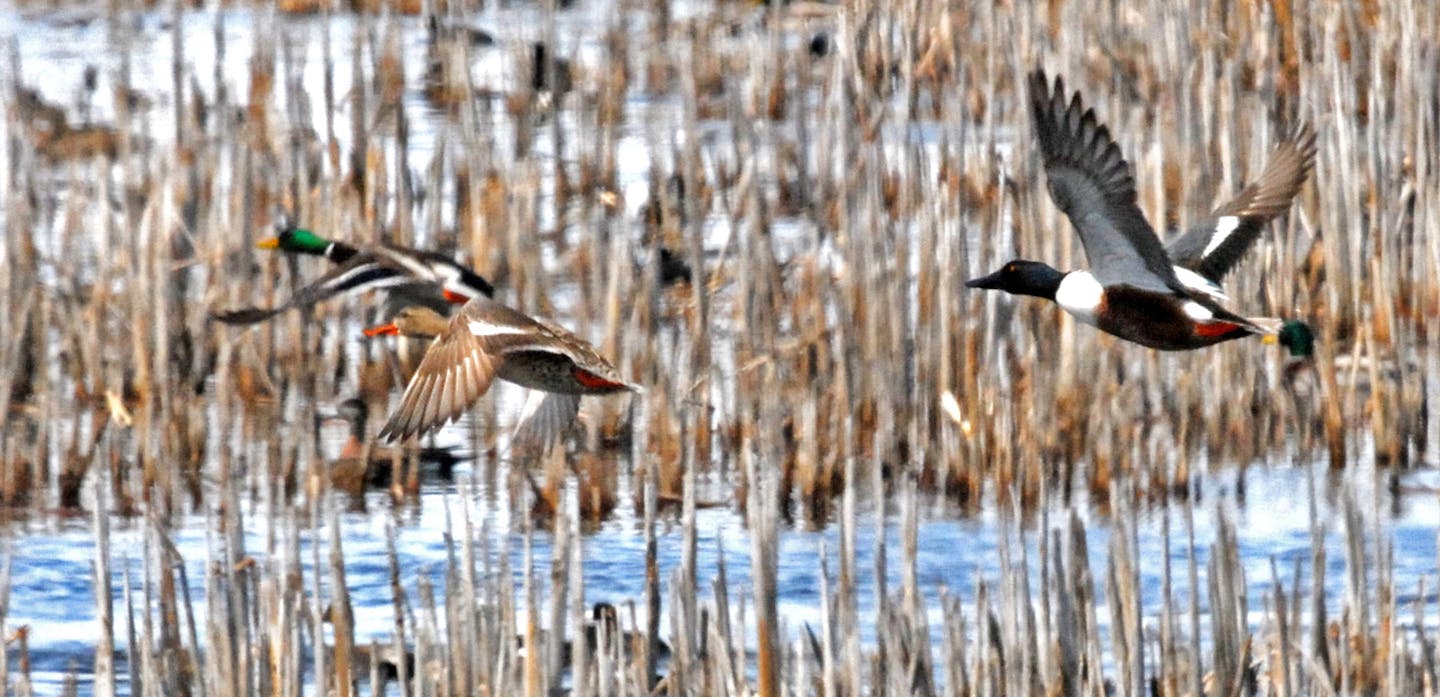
<point x="461" y="364"/>
<point x="1212" y="247"/>
<point x="419" y="274"/>
<point x="545" y="420"/>
<point x="360" y="273"/>
<point x="437" y="268"/>
<point x="1091" y="182"/>
<point x="456" y="370"/>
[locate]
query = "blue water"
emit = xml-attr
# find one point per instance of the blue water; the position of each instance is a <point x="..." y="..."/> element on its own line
<point x="53" y="595"/>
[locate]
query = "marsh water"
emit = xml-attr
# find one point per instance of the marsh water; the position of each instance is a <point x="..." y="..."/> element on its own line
<point x="50" y="555"/>
<point x="52" y="558"/>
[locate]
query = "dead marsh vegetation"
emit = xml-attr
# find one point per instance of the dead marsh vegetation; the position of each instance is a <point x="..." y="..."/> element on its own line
<point x="827" y="177"/>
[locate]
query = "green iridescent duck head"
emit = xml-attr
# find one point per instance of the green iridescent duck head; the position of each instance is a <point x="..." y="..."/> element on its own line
<point x="1298" y="338"/>
<point x="302" y="241"/>
<point x="296" y="240"/>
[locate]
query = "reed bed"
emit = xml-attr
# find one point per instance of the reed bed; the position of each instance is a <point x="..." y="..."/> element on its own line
<point x="828" y="177"/>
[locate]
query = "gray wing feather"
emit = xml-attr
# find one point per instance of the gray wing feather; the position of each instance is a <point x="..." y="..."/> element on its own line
<point x="369" y="270"/>
<point x="546" y="420"/>
<point x="1091" y="182"/>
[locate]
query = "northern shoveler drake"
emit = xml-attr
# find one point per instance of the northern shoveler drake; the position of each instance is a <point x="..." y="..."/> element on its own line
<point x="392" y="267"/>
<point x="1136" y="289"/>
<point x="487" y="340"/>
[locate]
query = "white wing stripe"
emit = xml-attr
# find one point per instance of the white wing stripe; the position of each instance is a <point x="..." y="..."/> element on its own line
<point x="1198" y="312"/>
<point x="480" y="327"/>
<point x="417" y="268"/>
<point x="1223" y="227"/>
<point x="1196" y="282"/>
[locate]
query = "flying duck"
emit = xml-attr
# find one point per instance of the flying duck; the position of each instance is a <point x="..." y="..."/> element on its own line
<point x="487" y="340"/>
<point x="416" y="274"/>
<point x="1137" y="289"/>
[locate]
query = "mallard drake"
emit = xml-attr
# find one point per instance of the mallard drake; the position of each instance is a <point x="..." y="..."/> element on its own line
<point x="1298" y="339"/>
<point x="1357" y="374"/>
<point x="486" y="340"/>
<point x="360" y="269"/>
<point x="1136" y="289"/>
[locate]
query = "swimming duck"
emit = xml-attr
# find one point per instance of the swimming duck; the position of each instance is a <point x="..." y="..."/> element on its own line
<point x="605" y="622"/>
<point x="372" y="658"/>
<point x="1136" y="289"/>
<point x="540" y="64"/>
<point x="352" y="470"/>
<point x="414" y="272"/>
<point x="486" y="340"/>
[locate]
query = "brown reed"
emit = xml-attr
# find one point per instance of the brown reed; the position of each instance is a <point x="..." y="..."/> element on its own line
<point x="824" y="348"/>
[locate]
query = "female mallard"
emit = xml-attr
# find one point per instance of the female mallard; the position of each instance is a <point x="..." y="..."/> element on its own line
<point x="484" y="341"/>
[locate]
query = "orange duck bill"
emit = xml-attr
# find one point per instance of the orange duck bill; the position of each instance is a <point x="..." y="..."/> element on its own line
<point x="382" y="330"/>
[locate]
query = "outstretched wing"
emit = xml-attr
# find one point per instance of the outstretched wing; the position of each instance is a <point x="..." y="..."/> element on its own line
<point x="1211" y="247"/>
<point x="456" y="370"/>
<point x="439" y="269"/>
<point x="362" y="272"/>
<point x="1091" y="182"/>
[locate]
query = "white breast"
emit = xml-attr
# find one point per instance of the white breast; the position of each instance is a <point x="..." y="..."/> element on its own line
<point x="1080" y="295"/>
